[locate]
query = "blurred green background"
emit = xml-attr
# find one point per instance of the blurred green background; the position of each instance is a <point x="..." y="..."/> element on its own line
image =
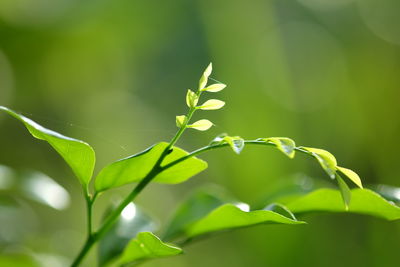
<point x="115" y="74"/>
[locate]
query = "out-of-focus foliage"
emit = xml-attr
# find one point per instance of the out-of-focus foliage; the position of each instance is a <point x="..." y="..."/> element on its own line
<point x="113" y="73"/>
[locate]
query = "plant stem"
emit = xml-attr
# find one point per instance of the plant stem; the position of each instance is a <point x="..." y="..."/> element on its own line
<point x="212" y="147"/>
<point x="112" y="218"/>
<point x="87" y="246"/>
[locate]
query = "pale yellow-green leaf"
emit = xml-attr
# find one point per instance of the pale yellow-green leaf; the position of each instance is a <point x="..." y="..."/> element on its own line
<point x="284" y="144"/>
<point x="204" y="78"/>
<point x="180" y="120"/>
<point x="201" y="125"/>
<point x="351" y="175"/>
<point x="191" y="98"/>
<point x="235" y="142"/>
<point x="212" y="104"/>
<point x="215" y="87"/>
<point x="325" y="159"/>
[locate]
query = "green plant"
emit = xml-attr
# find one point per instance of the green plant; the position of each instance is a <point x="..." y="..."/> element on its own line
<point x="207" y="211"/>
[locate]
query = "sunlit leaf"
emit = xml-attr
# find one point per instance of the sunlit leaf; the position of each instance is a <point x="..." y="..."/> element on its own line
<point x="198" y="205"/>
<point x="191" y="99"/>
<point x="180" y="120"/>
<point x="201" y="125"/>
<point x="212" y="104"/>
<point x="351" y="175"/>
<point x="344" y="191"/>
<point x="281" y="209"/>
<point x="147" y="246"/>
<point x="136" y="167"/>
<point x="325" y="159"/>
<point x="284" y="144"/>
<point x="235" y="142"/>
<point x="363" y="201"/>
<point x="229" y="216"/>
<point x="181" y="171"/>
<point x="131" y="222"/>
<point x="204" y="78"/>
<point x="78" y="154"/>
<point x="214" y="88"/>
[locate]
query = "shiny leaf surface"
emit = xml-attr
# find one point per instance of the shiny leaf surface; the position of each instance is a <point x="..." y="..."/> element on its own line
<point x="229" y="216"/>
<point x="325" y="159"/>
<point x="363" y="201"/>
<point x="284" y="144"/>
<point x="78" y="154"/>
<point x="147" y="246"/>
<point x="136" y="167"/>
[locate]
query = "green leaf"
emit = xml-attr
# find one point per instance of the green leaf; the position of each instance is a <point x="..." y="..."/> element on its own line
<point x="181" y="171"/>
<point x="351" y="175"/>
<point x="363" y="201"/>
<point x="214" y="88"/>
<point x="235" y="142"/>
<point x="78" y="154"/>
<point x="198" y="205"/>
<point x="191" y="99"/>
<point x="136" y="167"/>
<point x="204" y="78"/>
<point x="212" y="104"/>
<point x="344" y="191"/>
<point x="281" y="209"/>
<point x="229" y="216"/>
<point x="201" y="125"/>
<point x="147" y="246"/>
<point x="180" y="120"/>
<point x="325" y="159"/>
<point x="284" y="144"/>
<point x="131" y="222"/>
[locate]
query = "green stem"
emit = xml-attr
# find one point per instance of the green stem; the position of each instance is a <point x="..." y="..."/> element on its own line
<point x="112" y="218"/>
<point x="87" y="246"/>
<point x="212" y="147"/>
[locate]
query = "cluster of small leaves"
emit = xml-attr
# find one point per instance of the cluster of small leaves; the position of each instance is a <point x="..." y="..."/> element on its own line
<point x="205" y="213"/>
<point x="192" y="100"/>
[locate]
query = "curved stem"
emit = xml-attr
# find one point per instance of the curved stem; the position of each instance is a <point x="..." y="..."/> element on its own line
<point x="112" y="218"/>
<point x="212" y="147"/>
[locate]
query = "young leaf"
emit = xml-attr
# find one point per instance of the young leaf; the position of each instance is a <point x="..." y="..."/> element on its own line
<point x="201" y="125"/>
<point x="229" y="216"/>
<point x="131" y="222"/>
<point x="235" y="142"/>
<point x="284" y="144"/>
<point x="363" y="201"/>
<point x="180" y="120"/>
<point x="344" y="191"/>
<point x="212" y="104"/>
<point x="78" y="154"/>
<point x="204" y="78"/>
<point x="191" y="99"/>
<point x="147" y="246"/>
<point x="136" y="167"/>
<point x="214" y="88"/>
<point x="198" y="205"/>
<point x="325" y="159"/>
<point x="351" y="175"/>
